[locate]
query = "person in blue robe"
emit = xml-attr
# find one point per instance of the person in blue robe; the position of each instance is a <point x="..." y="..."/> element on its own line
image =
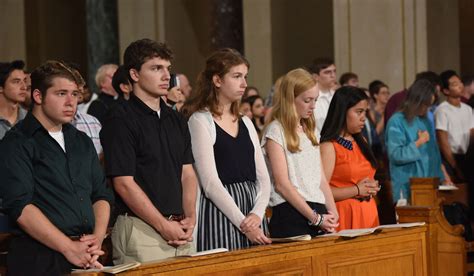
<point x="410" y="140"/>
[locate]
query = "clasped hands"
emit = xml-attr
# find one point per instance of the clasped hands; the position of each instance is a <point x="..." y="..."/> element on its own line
<point x="330" y="222"/>
<point x="85" y="252"/>
<point x="367" y="188"/>
<point x="178" y="232"/>
<point x="250" y="226"/>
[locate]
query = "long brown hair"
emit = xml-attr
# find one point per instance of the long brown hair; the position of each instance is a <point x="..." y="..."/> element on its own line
<point x="293" y="84"/>
<point x="204" y="96"/>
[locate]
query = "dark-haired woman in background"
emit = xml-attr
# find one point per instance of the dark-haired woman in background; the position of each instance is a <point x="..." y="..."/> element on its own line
<point x="258" y="112"/>
<point x="249" y="92"/>
<point x="348" y="160"/>
<point x="379" y="93"/>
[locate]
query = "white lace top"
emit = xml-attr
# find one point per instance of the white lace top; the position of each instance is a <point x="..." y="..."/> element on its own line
<point x="304" y="167"/>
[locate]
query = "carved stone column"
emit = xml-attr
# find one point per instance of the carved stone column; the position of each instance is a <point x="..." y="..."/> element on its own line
<point x="226" y="24"/>
<point x="102" y="36"/>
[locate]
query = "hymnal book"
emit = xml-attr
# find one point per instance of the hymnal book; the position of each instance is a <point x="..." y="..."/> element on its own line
<point x="292" y="239"/>
<point x="351" y="233"/>
<point x="110" y="269"/>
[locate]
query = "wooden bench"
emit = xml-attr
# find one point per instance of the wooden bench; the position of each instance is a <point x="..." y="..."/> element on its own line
<point x="390" y="252"/>
<point x="447" y="249"/>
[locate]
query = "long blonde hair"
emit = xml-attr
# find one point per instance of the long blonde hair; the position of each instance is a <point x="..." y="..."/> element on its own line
<point x="293" y="84"/>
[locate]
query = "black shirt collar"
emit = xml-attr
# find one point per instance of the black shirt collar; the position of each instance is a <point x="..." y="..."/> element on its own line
<point x="30" y="125"/>
<point x="144" y="109"/>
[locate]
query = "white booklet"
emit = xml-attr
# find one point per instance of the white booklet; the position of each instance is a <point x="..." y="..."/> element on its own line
<point x="292" y="239"/>
<point x="206" y="252"/>
<point x="447" y="187"/>
<point x="110" y="269"/>
<point x="350" y="233"/>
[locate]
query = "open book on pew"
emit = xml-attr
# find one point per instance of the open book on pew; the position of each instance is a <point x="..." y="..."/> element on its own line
<point x="351" y="233"/>
<point x="292" y="239"/>
<point x="110" y="269"/>
<point x="206" y="252"/>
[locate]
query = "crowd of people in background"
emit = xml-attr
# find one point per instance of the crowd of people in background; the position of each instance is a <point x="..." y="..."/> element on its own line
<point x="180" y="168"/>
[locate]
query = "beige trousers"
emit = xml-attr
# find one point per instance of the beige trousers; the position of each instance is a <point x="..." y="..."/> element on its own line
<point x="135" y="240"/>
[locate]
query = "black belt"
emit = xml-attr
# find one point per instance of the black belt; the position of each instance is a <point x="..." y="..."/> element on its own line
<point x="175" y="217"/>
<point x="23" y="235"/>
<point x="75" y="238"/>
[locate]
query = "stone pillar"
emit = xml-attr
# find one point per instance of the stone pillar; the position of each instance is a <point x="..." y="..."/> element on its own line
<point x="443" y="35"/>
<point x="12" y="28"/>
<point x="56" y="29"/>
<point x="226" y="25"/>
<point x="102" y="36"/>
<point x="394" y="40"/>
<point x="383" y="40"/>
<point x="140" y="19"/>
<point x="466" y="36"/>
<point x="258" y="43"/>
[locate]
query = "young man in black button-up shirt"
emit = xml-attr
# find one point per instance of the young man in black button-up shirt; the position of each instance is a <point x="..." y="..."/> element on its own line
<point x="147" y="152"/>
<point x="52" y="184"/>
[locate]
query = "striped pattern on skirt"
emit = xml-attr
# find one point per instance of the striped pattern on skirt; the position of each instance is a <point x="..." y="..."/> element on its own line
<point x="215" y="230"/>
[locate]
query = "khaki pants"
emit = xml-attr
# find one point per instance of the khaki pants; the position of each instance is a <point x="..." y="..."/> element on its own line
<point x="135" y="240"/>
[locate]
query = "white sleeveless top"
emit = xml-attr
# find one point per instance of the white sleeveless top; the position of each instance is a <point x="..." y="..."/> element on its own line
<point x="304" y="167"/>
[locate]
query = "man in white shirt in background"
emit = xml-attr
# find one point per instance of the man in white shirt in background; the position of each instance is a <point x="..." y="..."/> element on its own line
<point x="454" y="130"/>
<point x="454" y="123"/>
<point x="323" y="71"/>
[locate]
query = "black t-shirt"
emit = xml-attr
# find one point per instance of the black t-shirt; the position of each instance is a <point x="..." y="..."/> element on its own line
<point x="151" y="148"/>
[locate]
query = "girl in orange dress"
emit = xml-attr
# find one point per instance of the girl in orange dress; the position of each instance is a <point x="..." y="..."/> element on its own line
<point x="348" y="161"/>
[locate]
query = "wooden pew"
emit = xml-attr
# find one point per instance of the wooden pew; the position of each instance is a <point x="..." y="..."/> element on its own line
<point x="446" y="245"/>
<point x="391" y="252"/>
<point x="424" y="192"/>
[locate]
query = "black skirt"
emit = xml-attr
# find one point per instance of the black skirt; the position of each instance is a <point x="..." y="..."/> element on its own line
<point x="286" y="221"/>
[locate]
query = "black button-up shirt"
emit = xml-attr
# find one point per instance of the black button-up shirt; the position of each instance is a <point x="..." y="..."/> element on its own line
<point x="151" y="148"/>
<point x="34" y="169"/>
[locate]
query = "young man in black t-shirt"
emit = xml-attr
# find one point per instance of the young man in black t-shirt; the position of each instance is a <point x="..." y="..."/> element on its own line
<point x="148" y="156"/>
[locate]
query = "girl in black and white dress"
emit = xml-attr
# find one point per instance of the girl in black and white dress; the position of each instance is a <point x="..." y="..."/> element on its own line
<point x="234" y="181"/>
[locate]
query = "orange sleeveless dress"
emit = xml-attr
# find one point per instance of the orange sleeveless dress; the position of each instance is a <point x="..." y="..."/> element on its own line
<point x="351" y="167"/>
